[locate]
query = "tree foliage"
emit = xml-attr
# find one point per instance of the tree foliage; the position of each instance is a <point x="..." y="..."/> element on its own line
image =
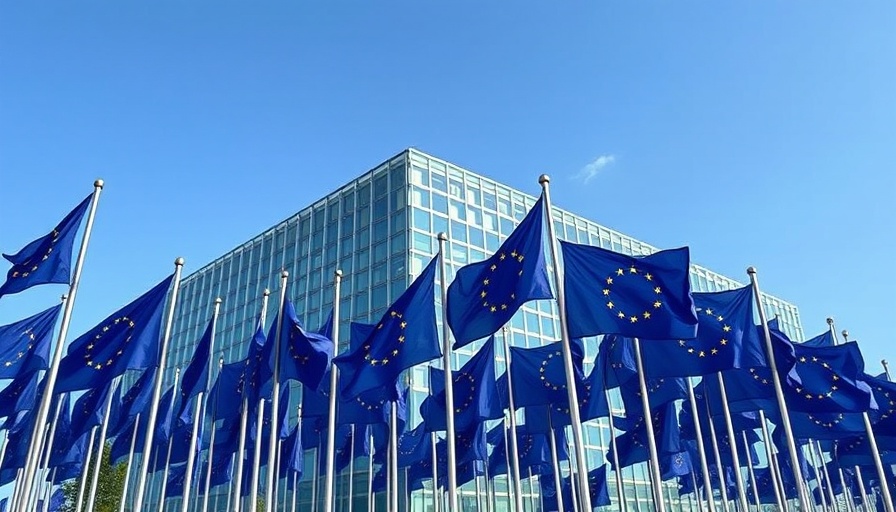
<point x="109" y="485"/>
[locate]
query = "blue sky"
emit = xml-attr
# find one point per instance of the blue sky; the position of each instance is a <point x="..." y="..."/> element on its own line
<point x="759" y="133"/>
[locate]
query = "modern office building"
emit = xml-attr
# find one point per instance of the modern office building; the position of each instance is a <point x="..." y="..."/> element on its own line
<point x="379" y="229"/>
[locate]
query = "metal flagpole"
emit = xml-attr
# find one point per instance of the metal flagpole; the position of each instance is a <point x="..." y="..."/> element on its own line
<point x="91" y="500"/>
<point x="17" y="490"/>
<point x="700" y="504"/>
<point x="617" y="471"/>
<point x="164" y="477"/>
<point x="719" y="468"/>
<point x="48" y="448"/>
<point x="449" y="381"/>
<point x="531" y="489"/>
<point x="656" y="477"/>
<point x="779" y="393"/>
<point x="571" y="392"/>
<point x="331" y="419"/>
<point x="244" y="419"/>
<point x="127" y="475"/>
<point x="295" y="488"/>
<point x="370" y="497"/>
<point x="701" y="450"/>
<point x="478" y="486"/>
<point x="865" y="505"/>
<point x="157" y="390"/>
<point x="83" y="485"/>
<point x="883" y="363"/>
<point x="732" y="443"/>
<point x="198" y="417"/>
<point x="489" y="490"/>
<point x="513" y="452"/>
<point x="211" y="444"/>
<point x="33" y="494"/>
<point x="573" y="496"/>
<point x="269" y="495"/>
<point x="49" y="492"/>
<point x="818" y="474"/>
<point x="780" y="499"/>
<point x="238" y="484"/>
<point x="751" y="473"/>
<point x="435" y="473"/>
<point x="351" y="470"/>
<point x="552" y="438"/>
<point x="29" y="472"/>
<point x="314" y="475"/>
<point x="256" y="459"/>
<point x="872" y="440"/>
<point x="393" y="456"/>
<point x="511" y="501"/>
<point x="847" y="494"/>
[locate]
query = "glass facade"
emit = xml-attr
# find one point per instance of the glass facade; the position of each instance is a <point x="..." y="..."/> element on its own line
<point x="379" y="229"/>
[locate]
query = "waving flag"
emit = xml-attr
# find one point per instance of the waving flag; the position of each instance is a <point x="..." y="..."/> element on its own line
<point x="645" y="297"/>
<point x="485" y="295"/>
<point x="828" y="380"/>
<point x="194" y="378"/>
<point x="25" y="345"/>
<point x="539" y="376"/>
<point x="304" y="355"/>
<point x="20" y="394"/>
<point x="47" y="259"/>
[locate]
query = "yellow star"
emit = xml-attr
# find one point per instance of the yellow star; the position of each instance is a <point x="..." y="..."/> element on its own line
<point x="726" y="328"/>
<point x="714" y="351"/>
<point x="723" y="342"/>
<point x="609" y="280"/>
<point x="620" y="272"/>
<point x="633" y="270"/>
<point x="503" y="306"/>
<point x="401" y="339"/>
<point x="621" y="315"/>
<point x="482" y="294"/>
<point x="702" y="354"/>
<point x="646" y="315"/>
<point x="649" y="277"/>
<point x="633" y="319"/>
<point x="485" y="282"/>
<point x="403" y="324"/>
<point x="493" y="309"/>
<point x="502" y="256"/>
<point x="610" y="304"/>
<point x="657" y="290"/>
<point x="657" y="304"/>
<point x="720" y="318"/>
<point x="493" y="267"/>
<point x="709" y="312"/>
<point x="606" y="292"/>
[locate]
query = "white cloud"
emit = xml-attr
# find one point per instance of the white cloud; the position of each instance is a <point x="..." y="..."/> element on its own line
<point x="594" y="167"/>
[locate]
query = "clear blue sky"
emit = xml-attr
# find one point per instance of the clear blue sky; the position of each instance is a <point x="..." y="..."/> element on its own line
<point x="761" y="133"/>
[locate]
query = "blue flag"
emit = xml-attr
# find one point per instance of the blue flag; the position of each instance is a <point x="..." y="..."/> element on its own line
<point x="539" y="376"/>
<point x="475" y="393"/>
<point x="660" y="391"/>
<point x="414" y="446"/>
<point x="645" y="297"/>
<point x="726" y="338"/>
<point x="20" y="394"/>
<point x="62" y="439"/>
<point x="127" y="340"/>
<point x="675" y="465"/>
<point x="747" y="390"/>
<point x="227" y="391"/>
<point x="194" y="378"/>
<point x="828" y="379"/>
<point x="255" y="382"/>
<point x="25" y="345"/>
<point x="47" y="259"/>
<point x="304" y="356"/>
<point x="406" y="335"/>
<point x="632" y="445"/>
<point x="884" y="417"/>
<point x="89" y="409"/>
<point x="222" y="468"/>
<point x="825" y="339"/>
<point x="293" y="456"/>
<point x="826" y="425"/>
<point x="134" y="401"/>
<point x="485" y="295"/>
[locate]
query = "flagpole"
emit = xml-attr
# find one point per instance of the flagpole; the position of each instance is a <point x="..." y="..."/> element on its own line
<point x="617" y="471"/>
<point x="351" y="472"/>
<point x="435" y="473"/>
<point x="511" y="500"/>
<point x="777" y="483"/>
<point x="779" y="393"/>
<point x="91" y="500"/>
<point x="127" y="475"/>
<point x="656" y="477"/>
<point x="49" y="491"/>
<point x="269" y="496"/>
<point x="513" y="452"/>
<point x="859" y="478"/>
<point x="827" y="476"/>
<point x="331" y="419"/>
<point x="696" y="494"/>
<point x="371" y="498"/>
<point x="723" y="483"/>
<point x="33" y="494"/>
<point x="489" y="490"/>
<point x="531" y="489"/>
<point x="48" y="449"/>
<point x="751" y="473"/>
<point x="886" y="366"/>
<point x="198" y="416"/>
<point x="872" y="440"/>
<point x="572" y="479"/>
<point x="821" y="486"/>
<point x="847" y="494"/>
<point x="256" y="459"/>
<point x="555" y="462"/>
<point x="735" y="459"/>
<point x="83" y="485"/>
<point x="295" y="487"/>
<point x="701" y="449"/>
<point x="572" y="393"/>
<point x="211" y="439"/>
<point x="449" y="381"/>
<point x="393" y="456"/>
<point x="164" y="476"/>
<point x="157" y="390"/>
<point x="34" y="447"/>
<point x="231" y="485"/>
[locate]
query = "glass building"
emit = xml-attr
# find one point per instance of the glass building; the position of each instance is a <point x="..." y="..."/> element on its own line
<point x="379" y="229"/>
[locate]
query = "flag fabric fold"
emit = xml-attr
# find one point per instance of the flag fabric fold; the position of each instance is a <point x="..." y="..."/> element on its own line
<point x="25" y="345"/>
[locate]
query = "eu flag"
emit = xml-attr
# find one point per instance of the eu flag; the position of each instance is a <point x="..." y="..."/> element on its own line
<point x="25" y="345"/>
<point x="826" y="425"/>
<point x="632" y="445"/>
<point x="369" y="407"/>
<point x="828" y="379"/>
<point x="20" y="394"/>
<point x="825" y="339"/>
<point x="127" y="340"/>
<point x="414" y="446"/>
<point x="406" y="335"/>
<point x="486" y="294"/>
<point x="539" y="376"/>
<point x="475" y="393"/>
<point x="884" y="417"/>
<point x="134" y="401"/>
<point x="47" y="259"/>
<point x="304" y="355"/>
<point x="660" y="391"/>
<point x="747" y="390"/>
<point x="645" y="297"/>
<point x="292" y="459"/>
<point x="89" y="409"/>
<point x="726" y="338"/>
<point x="194" y="378"/>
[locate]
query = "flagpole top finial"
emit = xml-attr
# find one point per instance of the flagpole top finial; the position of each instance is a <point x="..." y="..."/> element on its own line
<point x="266" y="292"/>
<point x="219" y="300"/>
<point x="830" y="320"/>
<point x="284" y="273"/>
<point x="99" y="183"/>
<point x="544" y="178"/>
<point x="338" y="273"/>
<point x="845" y="334"/>
<point x="751" y="270"/>
<point x="442" y="236"/>
<point x="179" y="261"/>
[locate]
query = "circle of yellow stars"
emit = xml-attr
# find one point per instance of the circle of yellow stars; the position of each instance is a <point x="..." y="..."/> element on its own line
<point x="810" y="394"/>
<point x="890" y="403"/>
<point x="89" y="355"/>
<point x="500" y="303"/>
<point x="759" y="377"/>
<point x="544" y="365"/>
<point x="459" y="378"/>
<point x="613" y="307"/>
<point x="402" y="325"/>
<point x="715" y="348"/>
<point x="30" y="335"/>
<point x="32" y="265"/>
<point x="372" y="405"/>
<point x="829" y="421"/>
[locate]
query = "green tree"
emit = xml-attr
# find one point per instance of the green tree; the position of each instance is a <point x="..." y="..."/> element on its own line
<point x="109" y="485"/>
